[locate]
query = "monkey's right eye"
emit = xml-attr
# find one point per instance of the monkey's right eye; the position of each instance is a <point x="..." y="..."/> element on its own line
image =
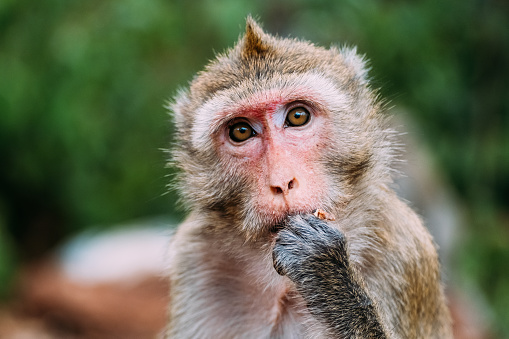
<point x="241" y="131"/>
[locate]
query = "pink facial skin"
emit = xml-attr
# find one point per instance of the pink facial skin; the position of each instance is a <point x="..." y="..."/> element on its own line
<point x="282" y="159"/>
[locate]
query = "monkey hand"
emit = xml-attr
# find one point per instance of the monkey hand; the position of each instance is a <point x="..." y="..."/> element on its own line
<point x="314" y="256"/>
<point x="306" y="246"/>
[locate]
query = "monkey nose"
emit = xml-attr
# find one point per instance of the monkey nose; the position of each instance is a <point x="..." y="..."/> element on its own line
<point x="284" y="187"/>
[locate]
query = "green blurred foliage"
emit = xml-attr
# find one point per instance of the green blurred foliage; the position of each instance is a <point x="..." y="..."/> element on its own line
<point x="83" y="84"/>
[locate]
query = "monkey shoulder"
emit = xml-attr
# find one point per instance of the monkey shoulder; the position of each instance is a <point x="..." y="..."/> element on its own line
<point x="406" y="259"/>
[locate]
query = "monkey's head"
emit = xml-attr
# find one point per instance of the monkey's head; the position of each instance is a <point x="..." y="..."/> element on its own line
<point x="278" y="126"/>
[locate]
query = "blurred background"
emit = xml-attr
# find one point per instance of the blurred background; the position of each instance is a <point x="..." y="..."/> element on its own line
<point x="83" y="126"/>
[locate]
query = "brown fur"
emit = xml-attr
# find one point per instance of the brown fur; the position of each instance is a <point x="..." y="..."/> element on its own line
<point x="223" y="284"/>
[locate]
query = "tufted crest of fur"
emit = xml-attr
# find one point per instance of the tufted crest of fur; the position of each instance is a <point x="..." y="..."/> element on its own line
<point x="254" y="44"/>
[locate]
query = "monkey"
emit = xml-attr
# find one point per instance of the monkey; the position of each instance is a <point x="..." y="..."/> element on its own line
<point x="270" y="131"/>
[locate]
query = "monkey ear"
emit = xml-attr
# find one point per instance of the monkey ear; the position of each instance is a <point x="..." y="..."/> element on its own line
<point x="254" y="43"/>
<point x="356" y="62"/>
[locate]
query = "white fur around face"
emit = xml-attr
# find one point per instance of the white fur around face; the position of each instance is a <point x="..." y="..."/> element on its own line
<point x="215" y="113"/>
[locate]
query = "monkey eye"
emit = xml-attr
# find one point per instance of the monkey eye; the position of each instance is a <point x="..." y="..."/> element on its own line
<point x="241" y="131"/>
<point x="297" y="116"/>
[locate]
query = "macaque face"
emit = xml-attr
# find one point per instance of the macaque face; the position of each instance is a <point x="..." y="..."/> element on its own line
<point x="276" y="144"/>
<point x="275" y="141"/>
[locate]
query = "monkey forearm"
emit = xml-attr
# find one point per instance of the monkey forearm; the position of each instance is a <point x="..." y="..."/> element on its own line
<point x="335" y="297"/>
<point x="313" y="255"/>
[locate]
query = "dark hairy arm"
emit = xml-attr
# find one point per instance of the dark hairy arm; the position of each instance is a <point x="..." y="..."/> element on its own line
<point x="314" y="256"/>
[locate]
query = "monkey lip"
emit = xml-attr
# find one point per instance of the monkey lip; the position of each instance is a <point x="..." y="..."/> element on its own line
<point x="279" y="223"/>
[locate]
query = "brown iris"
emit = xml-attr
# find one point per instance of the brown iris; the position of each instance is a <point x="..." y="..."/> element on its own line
<point x="241" y="131"/>
<point x="297" y="116"/>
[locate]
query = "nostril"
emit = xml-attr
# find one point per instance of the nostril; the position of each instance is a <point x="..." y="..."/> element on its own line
<point x="276" y="190"/>
<point x="290" y="184"/>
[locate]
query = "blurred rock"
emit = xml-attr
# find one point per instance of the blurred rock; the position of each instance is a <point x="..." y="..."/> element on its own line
<point x="107" y="285"/>
<point x="15" y="326"/>
<point x="108" y="310"/>
<point x="124" y="255"/>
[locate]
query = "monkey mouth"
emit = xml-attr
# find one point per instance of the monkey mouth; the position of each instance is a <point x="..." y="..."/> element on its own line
<point x="281" y="224"/>
<point x="276" y="228"/>
<point x="317" y="212"/>
<point x="269" y="219"/>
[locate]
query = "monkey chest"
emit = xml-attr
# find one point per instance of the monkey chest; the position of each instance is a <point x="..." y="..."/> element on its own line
<point x="274" y="312"/>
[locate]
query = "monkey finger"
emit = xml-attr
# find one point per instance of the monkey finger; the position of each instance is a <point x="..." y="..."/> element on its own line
<point x="278" y="265"/>
<point x="307" y="226"/>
